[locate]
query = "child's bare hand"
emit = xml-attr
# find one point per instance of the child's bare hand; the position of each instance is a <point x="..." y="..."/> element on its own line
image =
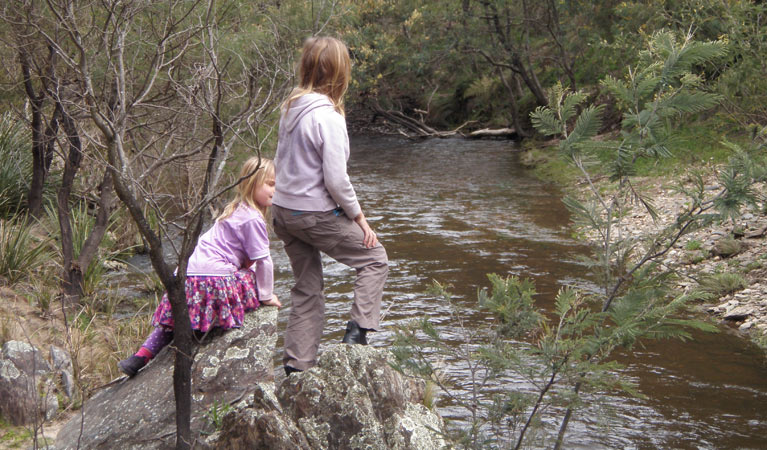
<point x="370" y="239"/>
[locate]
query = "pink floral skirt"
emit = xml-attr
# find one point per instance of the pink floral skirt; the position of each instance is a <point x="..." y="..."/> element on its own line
<point x="214" y="301"/>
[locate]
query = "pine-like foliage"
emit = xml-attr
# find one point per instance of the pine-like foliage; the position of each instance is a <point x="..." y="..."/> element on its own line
<point x="634" y="299"/>
<point x="557" y="120"/>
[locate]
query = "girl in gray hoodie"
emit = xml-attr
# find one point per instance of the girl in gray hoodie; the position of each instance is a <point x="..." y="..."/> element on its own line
<point x="315" y="208"/>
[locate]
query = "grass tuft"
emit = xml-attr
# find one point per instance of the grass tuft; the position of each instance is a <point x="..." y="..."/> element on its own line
<point x="727" y="247"/>
<point x="20" y="250"/>
<point x="15" y="166"/>
<point x="720" y="284"/>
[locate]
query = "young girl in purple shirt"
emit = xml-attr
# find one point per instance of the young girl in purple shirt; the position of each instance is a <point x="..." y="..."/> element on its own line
<point x="230" y="271"/>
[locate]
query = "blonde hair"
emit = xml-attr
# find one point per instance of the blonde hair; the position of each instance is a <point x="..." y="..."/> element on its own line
<point x="256" y="171"/>
<point x="324" y="68"/>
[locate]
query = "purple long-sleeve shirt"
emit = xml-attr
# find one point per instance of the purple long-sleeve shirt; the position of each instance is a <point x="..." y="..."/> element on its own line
<point x="312" y="151"/>
<point x="230" y="243"/>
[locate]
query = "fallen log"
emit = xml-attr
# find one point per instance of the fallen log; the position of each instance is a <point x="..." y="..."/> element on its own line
<point x="509" y="133"/>
<point x="420" y="129"/>
<point x="398" y="118"/>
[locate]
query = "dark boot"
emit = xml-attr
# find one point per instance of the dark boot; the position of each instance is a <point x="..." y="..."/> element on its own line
<point x="132" y="365"/>
<point x="289" y="370"/>
<point x="355" y="334"/>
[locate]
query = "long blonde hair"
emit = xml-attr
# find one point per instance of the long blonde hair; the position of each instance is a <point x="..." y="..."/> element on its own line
<point x="324" y="68"/>
<point x="256" y="171"/>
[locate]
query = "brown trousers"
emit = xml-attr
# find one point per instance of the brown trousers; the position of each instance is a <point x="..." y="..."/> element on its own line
<point x="306" y="234"/>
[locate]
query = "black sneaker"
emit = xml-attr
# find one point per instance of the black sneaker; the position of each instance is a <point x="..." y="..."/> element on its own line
<point x="132" y="365"/>
<point x="355" y="334"/>
<point x="289" y="370"/>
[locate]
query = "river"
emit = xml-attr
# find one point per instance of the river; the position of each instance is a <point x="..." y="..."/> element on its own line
<point x="454" y="210"/>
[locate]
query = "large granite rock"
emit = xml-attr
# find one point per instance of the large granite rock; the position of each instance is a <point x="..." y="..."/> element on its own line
<point x="352" y="399"/>
<point x="28" y="386"/>
<point x="139" y="413"/>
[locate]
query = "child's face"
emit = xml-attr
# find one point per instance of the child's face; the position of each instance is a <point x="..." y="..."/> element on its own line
<point x="264" y="193"/>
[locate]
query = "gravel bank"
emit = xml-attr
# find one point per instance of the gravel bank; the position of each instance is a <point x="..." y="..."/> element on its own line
<point x="736" y="247"/>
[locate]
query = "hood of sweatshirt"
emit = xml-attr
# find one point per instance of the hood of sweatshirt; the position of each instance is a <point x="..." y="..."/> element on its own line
<point x="302" y="106"/>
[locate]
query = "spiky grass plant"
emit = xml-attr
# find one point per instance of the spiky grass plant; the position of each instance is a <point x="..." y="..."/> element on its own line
<point x="727" y="247"/>
<point x="721" y="284"/>
<point x="15" y="165"/>
<point x="122" y="340"/>
<point x="42" y="293"/>
<point x="6" y="330"/>
<point x="21" y="251"/>
<point x="97" y="342"/>
<point x="214" y="416"/>
<point x="693" y="244"/>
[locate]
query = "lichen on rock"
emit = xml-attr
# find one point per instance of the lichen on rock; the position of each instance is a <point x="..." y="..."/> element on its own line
<point x="352" y="399"/>
<point x="29" y="384"/>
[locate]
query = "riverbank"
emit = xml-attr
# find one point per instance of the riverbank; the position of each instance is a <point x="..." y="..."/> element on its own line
<point x="727" y="262"/>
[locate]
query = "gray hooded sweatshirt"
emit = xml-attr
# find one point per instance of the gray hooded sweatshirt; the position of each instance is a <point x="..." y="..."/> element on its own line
<point x="310" y="166"/>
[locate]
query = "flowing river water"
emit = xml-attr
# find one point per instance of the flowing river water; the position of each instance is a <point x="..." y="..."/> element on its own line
<point x="456" y="210"/>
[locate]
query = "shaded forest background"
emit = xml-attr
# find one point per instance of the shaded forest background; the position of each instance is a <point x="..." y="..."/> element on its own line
<point x="488" y="62"/>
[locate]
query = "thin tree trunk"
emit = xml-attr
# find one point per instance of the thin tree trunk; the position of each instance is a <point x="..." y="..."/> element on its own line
<point x="515" y="117"/>
<point x="174" y="284"/>
<point x="182" y="370"/>
<point x="72" y="281"/>
<point x="555" y="30"/>
<point x="106" y="200"/>
<point x="514" y="106"/>
<point x="566" y="421"/>
<point x="42" y="140"/>
<point x="527" y="74"/>
<point x="532" y="81"/>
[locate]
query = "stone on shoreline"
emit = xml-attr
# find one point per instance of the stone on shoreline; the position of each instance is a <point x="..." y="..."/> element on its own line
<point x="29" y="385"/>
